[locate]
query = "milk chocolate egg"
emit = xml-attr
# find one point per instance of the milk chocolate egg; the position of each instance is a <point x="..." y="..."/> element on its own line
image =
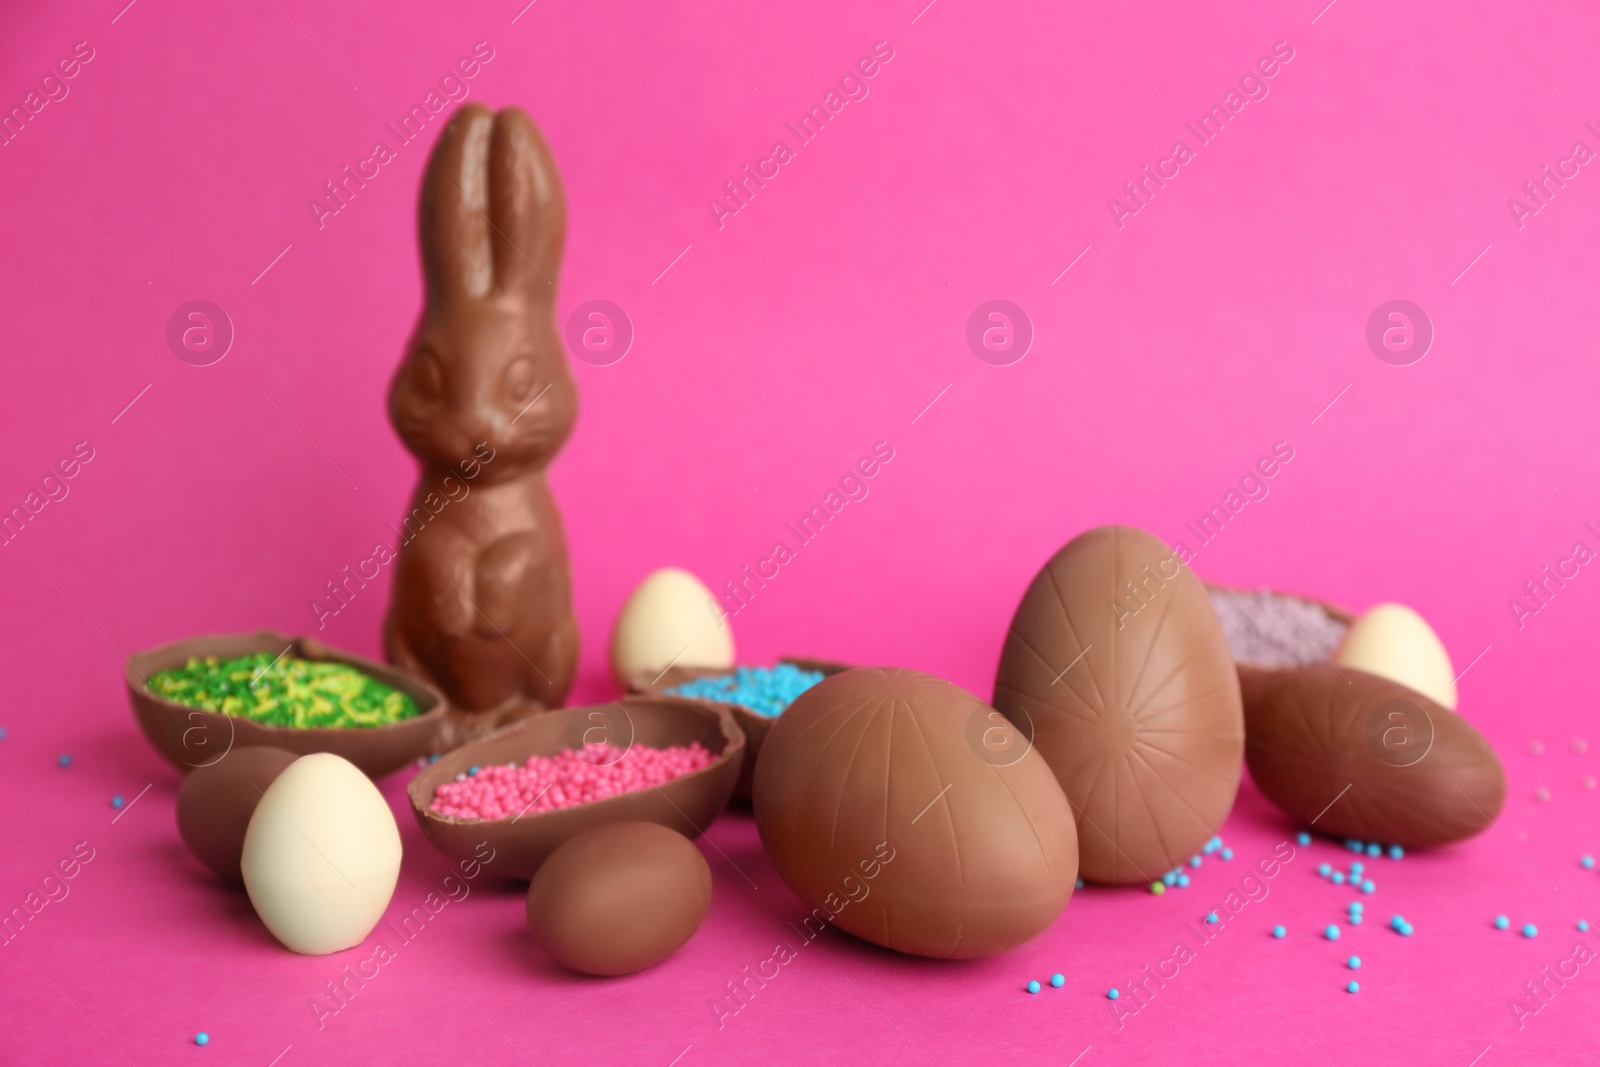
<point x="216" y="801"/>
<point x="619" y="898"/>
<point x="1396" y="643"/>
<point x="908" y="812"/>
<point x="1118" y="669"/>
<point x="321" y="856"/>
<point x="1360" y="756"/>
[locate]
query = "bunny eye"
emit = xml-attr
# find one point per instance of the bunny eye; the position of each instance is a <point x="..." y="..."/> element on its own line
<point x="519" y="379"/>
<point x="428" y="374"/>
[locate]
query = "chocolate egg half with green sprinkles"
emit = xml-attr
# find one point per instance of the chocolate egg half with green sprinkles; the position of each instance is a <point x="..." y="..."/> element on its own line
<point x="198" y="699"/>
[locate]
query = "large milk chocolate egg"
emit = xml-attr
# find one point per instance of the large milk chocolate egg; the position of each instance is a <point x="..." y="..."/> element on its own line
<point x="1360" y="756"/>
<point x="215" y="803"/>
<point x="1117" y="667"/>
<point x="619" y="898"/>
<point x="908" y="812"/>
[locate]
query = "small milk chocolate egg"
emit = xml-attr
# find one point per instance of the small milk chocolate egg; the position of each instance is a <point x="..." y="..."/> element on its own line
<point x="1360" y="756"/>
<point x="671" y="619"/>
<point x="321" y="856"/>
<point x="1117" y="667"/>
<point x="908" y="812"/>
<point x="1396" y="643"/>
<point x="216" y="801"/>
<point x="619" y="898"/>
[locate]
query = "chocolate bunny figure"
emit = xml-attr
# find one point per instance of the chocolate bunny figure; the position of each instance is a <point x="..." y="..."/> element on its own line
<point x="482" y="600"/>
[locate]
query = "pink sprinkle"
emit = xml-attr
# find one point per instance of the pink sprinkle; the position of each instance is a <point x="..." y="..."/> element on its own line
<point x="571" y="777"/>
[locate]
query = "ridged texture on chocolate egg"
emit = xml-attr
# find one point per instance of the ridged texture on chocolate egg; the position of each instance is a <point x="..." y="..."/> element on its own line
<point x="1132" y="699"/>
<point x="906" y="811"/>
<point x="1351" y="751"/>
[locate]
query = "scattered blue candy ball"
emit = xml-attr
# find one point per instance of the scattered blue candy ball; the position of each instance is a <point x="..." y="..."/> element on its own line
<point x="1080" y="883"/>
<point x="1374" y="849"/>
<point x="1588" y="863"/>
<point x="1368" y="886"/>
<point x="1396" y="852"/>
<point x="1227" y="853"/>
<point x="1194" y="861"/>
<point x="1170" y="878"/>
<point x="1353" y="987"/>
<point x="1583" y="924"/>
<point x="1033" y="987"/>
<point x="1302" y="839"/>
<point x="1354" y="963"/>
<point x="1324" y="870"/>
<point x="1355" y="918"/>
<point x="1530" y="930"/>
<point x="1112" y="993"/>
<point x="767" y="691"/>
<point x="1279" y="932"/>
<point x="1357" y="867"/>
<point x="1338" y="878"/>
<point x="116" y="801"/>
<point x="1501" y="922"/>
<point x="2" y="733"/>
<point x="1183" y="881"/>
<point x="1058" y="980"/>
<point x="472" y="770"/>
<point x="202" y="1038"/>
<point x="1212" y="919"/>
<point x="1331" y="932"/>
<point x="65" y="759"/>
<point x="1352" y="844"/>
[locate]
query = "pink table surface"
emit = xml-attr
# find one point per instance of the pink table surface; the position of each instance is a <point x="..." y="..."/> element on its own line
<point x="1227" y="314"/>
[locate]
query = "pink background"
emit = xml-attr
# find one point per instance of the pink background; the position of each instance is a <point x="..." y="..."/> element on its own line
<point x="825" y="316"/>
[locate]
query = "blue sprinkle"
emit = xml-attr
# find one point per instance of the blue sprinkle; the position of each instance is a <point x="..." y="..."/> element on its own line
<point x="1170" y="878"/>
<point x="1374" y="849"/>
<point x="116" y="801"/>
<point x="1279" y="932"/>
<point x="1324" y="870"/>
<point x="1397" y="922"/>
<point x="1338" y="878"/>
<point x="1356" y="905"/>
<point x="1058" y="980"/>
<point x="1183" y="881"/>
<point x="1112" y="994"/>
<point x="1357" y="867"/>
<point x="1354" y="962"/>
<point x="472" y="770"/>
<point x="1353" y="987"/>
<point x="1080" y="883"/>
<point x="1530" y="930"/>
<point x="1033" y="987"/>
<point x="1331" y="933"/>
<point x="1406" y="929"/>
<point x="1303" y="839"/>
<point x="1501" y="922"/>
<point x="2" y="733"/>
<point x="1212" y="919"/>
<point x="1194" y="861"/>
<point x="1355" y="918"/>
<point x="1583" y="924"/>
<point x="64" y="760"/>
<point x="1368" y="887"/>
<point x="433" y="757"/>
<point x="1352" y="844"/>
<point x="767" y="691"/>
<point x="1396" y="852"/>
<point x="1588" y="863"/>
<point x="202" y="1038"/>
<point x="1227" y="853"/>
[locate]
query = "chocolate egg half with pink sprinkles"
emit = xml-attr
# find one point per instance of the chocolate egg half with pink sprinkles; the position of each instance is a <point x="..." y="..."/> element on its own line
<point x="527" y="789"/>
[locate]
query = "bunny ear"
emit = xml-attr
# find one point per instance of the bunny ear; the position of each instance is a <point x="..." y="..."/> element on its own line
<point x="456" y="258"/>
<point x="528" y="209"/>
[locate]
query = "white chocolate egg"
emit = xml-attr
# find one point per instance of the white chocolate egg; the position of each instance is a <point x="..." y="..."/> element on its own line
<point x="321" y="856"/>
<point x="1396" y="643"/>
<point x="671" y="619"/>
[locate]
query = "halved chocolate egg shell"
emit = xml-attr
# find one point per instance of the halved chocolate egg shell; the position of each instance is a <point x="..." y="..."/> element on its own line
<point x="193" y="737"/>
<point x="687" y="804"/>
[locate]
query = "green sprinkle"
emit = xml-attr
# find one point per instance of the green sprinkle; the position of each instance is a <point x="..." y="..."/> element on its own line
<point x="284" y="691"/>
